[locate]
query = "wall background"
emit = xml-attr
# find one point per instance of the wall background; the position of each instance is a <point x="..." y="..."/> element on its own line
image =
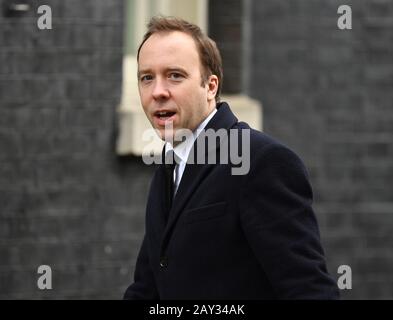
<point x="68" y="201"/>
<point x="327" y="93"/>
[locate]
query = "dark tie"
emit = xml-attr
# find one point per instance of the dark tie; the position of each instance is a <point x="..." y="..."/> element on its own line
<point x="170" y="165"/>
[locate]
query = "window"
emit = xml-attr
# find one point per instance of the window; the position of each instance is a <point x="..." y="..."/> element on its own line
<point x="132" y="120"/>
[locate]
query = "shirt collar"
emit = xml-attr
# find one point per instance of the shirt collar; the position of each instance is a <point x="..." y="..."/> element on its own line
<point x="183" y="149"/>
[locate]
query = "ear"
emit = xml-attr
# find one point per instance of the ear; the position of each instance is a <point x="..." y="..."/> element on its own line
<point x="212" y="87"/>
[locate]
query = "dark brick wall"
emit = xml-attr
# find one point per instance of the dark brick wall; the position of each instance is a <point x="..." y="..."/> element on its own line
<point x="65" y="199"/>
<point x="225" y="26"/>
<point x="328" y="94"/>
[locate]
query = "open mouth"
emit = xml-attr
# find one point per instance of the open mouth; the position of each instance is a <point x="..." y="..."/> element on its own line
<point x="164" y="115"/>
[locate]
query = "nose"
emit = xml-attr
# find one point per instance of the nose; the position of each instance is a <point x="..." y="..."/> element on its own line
<point x="160" y="91"/>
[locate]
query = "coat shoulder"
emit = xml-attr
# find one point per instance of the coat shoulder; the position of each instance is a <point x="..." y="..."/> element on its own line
<point x="262" y="143"/>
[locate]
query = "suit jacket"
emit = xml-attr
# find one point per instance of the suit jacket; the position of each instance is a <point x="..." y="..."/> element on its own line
<point x="251" y="236"/>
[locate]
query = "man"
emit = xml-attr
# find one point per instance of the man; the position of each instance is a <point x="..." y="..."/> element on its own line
<point x="212" y="234"/>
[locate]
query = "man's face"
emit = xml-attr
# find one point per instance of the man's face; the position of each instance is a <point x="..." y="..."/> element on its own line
<point x="170" y="83"/>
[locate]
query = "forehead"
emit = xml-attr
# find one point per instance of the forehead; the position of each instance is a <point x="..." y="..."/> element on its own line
<point x="175" y="48"/>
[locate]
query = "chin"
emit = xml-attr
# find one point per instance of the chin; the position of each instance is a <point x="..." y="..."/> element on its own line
<point x="166" y="136"/>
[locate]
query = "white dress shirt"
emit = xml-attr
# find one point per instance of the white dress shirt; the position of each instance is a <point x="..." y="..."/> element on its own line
<point x="182" y="150"/>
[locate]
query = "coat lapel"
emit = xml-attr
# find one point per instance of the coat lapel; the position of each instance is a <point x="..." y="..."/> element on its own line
<point x="156" y="203"/>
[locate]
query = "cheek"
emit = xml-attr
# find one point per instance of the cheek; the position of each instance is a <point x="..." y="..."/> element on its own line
<point x="144" y="97"/>
<point x="190" y="117"/>
<point x="142" y="94"/>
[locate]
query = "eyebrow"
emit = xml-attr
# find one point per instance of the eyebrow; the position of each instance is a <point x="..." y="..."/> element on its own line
<point x="143" y="71"/>
<point x="148" y="70"/>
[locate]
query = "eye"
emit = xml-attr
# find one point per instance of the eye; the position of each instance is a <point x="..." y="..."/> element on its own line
<point x="176" y="76"/>
<point x="146" y="77"/>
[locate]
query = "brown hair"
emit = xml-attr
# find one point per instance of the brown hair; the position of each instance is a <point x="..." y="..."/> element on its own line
<point x="208" y="52"/>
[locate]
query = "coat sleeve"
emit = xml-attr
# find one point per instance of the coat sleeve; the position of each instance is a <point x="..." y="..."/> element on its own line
<point x="281" y="228"/>
<point x="144" y="287"/>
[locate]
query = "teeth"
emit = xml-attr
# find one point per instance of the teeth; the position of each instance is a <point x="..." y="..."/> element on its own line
<point x="163" y="113"/>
